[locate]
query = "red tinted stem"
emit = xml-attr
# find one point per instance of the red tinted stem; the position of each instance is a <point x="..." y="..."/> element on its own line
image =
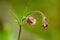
<point x="19" y="34"/>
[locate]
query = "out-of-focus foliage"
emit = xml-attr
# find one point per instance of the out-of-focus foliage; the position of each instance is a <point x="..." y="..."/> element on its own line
<point x="9" y="27"/>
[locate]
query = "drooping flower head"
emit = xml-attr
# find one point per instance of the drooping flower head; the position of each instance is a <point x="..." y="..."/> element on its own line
<point x="44" y="22"/>
<point x="31" y="20"/>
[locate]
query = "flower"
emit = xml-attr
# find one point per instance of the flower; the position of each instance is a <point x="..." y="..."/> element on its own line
<point x="31" y="20"/>
<point x="45" y="24"/>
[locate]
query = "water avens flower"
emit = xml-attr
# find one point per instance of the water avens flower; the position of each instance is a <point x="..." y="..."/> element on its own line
<point x="31" y="20"/>
<point x="45" y="24"/>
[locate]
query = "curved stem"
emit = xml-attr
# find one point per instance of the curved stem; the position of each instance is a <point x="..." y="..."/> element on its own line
<point x="37" y="11"/>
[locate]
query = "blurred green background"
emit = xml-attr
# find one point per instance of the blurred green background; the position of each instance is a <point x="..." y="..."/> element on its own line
<point x="9" y="27"/>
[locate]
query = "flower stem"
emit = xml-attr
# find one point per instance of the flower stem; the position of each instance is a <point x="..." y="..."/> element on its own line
<point x="19" y="33"/>
<point x="37" y="11"/>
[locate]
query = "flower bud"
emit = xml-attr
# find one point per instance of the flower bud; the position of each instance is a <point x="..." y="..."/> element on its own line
<point x="31" y="20"/>
<point x="45" y="24"/>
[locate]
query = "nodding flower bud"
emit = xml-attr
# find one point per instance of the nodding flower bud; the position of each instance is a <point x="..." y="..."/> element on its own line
<point x="31" y="20"/>
<point x="44" y="24"/>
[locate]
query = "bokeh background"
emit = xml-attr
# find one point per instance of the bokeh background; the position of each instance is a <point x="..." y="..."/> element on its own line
<point x="9" y="27"/>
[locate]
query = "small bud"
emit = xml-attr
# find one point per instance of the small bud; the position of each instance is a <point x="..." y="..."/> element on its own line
<point x="31" y="20"/>
<point x="45" y="24"/>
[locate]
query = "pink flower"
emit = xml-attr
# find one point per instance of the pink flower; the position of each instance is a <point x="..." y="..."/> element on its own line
<point x="31" y="20"/>
<point x="45" y="24"/>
